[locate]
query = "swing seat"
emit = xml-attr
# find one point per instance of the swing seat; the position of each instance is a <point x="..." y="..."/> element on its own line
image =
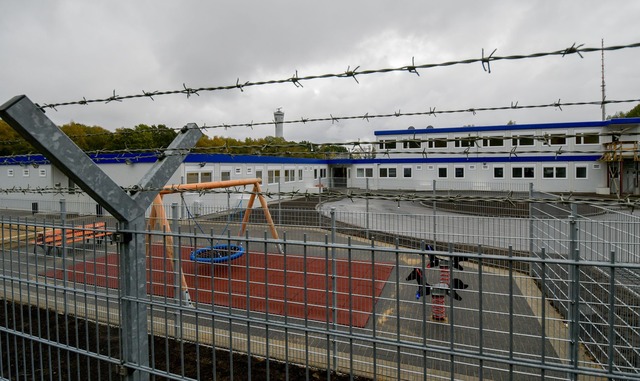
<point x="217" y="254"/>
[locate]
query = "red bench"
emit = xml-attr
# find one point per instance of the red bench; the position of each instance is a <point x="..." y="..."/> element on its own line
<point x="53" y="238"/>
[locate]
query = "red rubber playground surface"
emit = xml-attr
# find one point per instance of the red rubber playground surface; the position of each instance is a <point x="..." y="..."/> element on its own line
<point x="271" y="283"/>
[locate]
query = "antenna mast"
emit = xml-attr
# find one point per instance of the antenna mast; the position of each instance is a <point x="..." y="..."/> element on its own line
<point x="604" y="114"/>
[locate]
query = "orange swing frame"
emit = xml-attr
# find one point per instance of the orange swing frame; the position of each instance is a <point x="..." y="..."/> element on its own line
<point x="158" y="216"/>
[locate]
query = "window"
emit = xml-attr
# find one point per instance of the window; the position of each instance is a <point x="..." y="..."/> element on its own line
<point x="25" y="172"/>
<point x="199" y="177"/>
<point x="192" y="177"/>
<point x="387" y="144"/>
<point x="388" y="172"/>
<point x="557" y="140"/>
<point x="554" y="172"/>
<point x="596" y="166"/>
<point x="10" y="172"/>
<point x="418" y="168"/>
<point x="238" y="171"/>
<point x="411" y="144"/>
<point x="289" y="175"/>
<point x="437" y="143"/>
<point x="299" y="174"/>
<point x="42" y="172"/>
<point x="472" y="167"/>
<point x="458" y="172"/>
<point x="430" y="167"/>
<point x="364" y="172"/>
<point x="259" y="173"/>
<point x="581" y="172"/>
<point x="498" y="172"/>
<point x="249" y="170"/>
<point x="587" y="139"/>
<point x="406" y="172"/>
<point x="493" y="141"/>
<point x="206" y="177"/>
<point x="464" y="142"/>
<point x="442" y="172"/>
<point x="522" y="172"/>
<point x="273" y="176"/>
<point x="525" y="140"/>
<point x="225" y="175"/>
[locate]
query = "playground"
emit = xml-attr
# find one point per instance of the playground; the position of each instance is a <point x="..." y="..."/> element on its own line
<point x="291" y="283"/>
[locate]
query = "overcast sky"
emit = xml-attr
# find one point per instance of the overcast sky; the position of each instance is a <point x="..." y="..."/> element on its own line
<point x="59" y="51"/>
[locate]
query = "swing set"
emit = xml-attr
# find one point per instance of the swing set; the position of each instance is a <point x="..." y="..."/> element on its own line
<point x="213" y="254"/>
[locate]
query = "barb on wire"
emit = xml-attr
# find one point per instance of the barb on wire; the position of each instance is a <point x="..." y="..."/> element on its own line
<point x="295" y="80"/>
<point x="189" y="91"/>
<point x="558" y="105"/>
<point x="487" y="61"/>
<point x="240" y="85"/>
<point x="352" y="73"/>
<point x="573" y="49"/>
<point x="412" y="68"/>
<point x="149" y="94"/>
<point x="113" y="98"/>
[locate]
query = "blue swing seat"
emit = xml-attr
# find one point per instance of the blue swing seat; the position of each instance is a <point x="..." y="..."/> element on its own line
<point x="217" y="254"/>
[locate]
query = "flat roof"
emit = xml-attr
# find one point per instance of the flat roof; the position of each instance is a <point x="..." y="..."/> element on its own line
<point x="511" y="127"/>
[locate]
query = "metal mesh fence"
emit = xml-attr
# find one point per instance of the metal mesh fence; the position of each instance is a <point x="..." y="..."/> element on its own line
<point x="382" y="291"/>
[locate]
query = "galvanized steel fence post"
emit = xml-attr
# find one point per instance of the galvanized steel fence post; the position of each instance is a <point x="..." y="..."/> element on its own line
<point x="177" y="276"/>
<point x="531" y="226"/>
<point x="366" y="199"/>
<point x="574" y="292"/>
<point x="128" y="208"/>
<point x="434" y="206"/>
<point x="334" y="285"/>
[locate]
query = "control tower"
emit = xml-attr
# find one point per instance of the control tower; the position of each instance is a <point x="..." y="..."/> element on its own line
<point x="278" y="115"/>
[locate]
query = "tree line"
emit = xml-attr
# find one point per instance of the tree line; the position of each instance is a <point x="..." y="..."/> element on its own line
<point x="94" y="139"/>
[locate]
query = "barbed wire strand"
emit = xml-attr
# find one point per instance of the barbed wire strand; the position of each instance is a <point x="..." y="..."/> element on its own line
<point x="424" y="197"/>
<point x="297" y="80"/>
<point x="366" y="116"/>
<point x="386" y="148"/>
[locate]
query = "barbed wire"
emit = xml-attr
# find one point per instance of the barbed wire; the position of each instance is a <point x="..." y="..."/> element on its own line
<point x="133" y="158"/>
<point x="433" y="111"/>
<point x="508" y="197"/>
<point x="513" y="106"/>
<point x="468" y="145"/>
<point x="297" y="80"/>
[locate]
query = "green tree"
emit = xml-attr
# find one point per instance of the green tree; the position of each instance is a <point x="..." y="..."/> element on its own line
<point x="87" y="138"/>
<point x="141" y="137"/>
<point x="634" y="112"/>
<point x="11" y="143"/>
